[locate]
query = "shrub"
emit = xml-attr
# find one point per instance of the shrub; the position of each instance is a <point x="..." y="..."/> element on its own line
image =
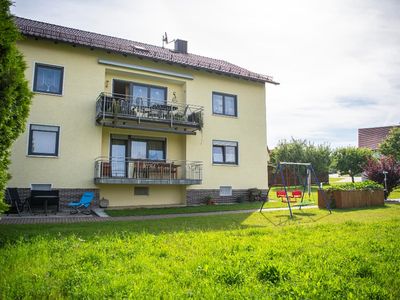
<point x="356" y="186"/>
<point x="374" y="171"/>
<point x="208" y="200"/>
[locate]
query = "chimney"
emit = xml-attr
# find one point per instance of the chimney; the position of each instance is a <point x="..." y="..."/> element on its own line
<point x="180" y="46"/>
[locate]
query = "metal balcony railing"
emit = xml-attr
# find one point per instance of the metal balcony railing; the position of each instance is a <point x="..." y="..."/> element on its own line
<point x="126" y="107"/>
<point x="128" y="170"/>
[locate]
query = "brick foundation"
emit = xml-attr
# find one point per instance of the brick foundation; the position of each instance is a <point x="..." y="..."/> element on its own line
<point x="195" y="197"/>
<point x="66" y="196"/>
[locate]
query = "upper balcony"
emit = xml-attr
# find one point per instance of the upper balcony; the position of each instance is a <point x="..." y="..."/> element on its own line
<point x="125" y="111"/>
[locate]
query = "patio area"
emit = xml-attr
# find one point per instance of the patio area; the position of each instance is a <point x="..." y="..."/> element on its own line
<point x="42" y="218"/>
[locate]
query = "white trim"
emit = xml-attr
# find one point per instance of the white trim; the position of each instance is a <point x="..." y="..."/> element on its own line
<point x="146" y="69"/>
<point x="44" y="93"/>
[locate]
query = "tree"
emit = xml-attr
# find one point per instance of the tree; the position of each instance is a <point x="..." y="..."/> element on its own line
<point x="374" y="171"/>
<point x="391" y="145"/>
<point x="350" y="160"/>
<point x="305" y="152"/>
<point x="15" y="96"/>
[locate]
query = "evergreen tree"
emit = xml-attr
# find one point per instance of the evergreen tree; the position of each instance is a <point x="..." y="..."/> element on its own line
<point x="15" y="96"/>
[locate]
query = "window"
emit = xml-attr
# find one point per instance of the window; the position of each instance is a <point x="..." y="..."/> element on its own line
<point x="41" y="186"/>
<point x="148" y="95"/>
<point x="43" y="140"/>
<point x="225" y="191"/>
<point x="148" y="149"/>
<point x="141" y="191"/>
<point x="48" y="79"/>
<point x="224" y="104"/>
<point x="225" y="152"/>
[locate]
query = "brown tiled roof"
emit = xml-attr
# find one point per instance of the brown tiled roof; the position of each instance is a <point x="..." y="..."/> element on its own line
<point x="372" y="137"/>
<point x="94" y="40"/>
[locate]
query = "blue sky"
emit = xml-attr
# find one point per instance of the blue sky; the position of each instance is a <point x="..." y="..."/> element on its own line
<point x="338" y="61"/>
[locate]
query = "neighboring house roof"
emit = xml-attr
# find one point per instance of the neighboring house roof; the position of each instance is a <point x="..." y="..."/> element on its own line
<point x="94" y="40"/>
<point x="372" y="137"/>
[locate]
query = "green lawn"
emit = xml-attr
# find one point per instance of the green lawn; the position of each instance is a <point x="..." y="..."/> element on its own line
<point x="395" y="194"/>
<point x="346" y="254"/>
<point x="273" y="203"/>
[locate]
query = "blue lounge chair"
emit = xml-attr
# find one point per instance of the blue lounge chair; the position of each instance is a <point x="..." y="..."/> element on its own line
<point x="83" y="205"/>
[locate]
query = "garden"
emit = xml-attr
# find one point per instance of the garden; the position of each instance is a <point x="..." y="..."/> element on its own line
<point x="346" y="254"/>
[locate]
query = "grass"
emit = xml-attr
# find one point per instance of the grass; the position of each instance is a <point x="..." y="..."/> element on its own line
<point x="273" y="203"/>
<point x="395" y="194"/>
<point x="189" y="209"/>
<point x="347" y="254"/>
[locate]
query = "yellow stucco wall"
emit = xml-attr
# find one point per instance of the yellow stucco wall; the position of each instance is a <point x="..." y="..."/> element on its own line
<point x="248" y="129"/>
<point x="123" y="195"/>
<point x="81" y="141"/>
<point x="74" y="112"/>
<point x="175" y="143"/>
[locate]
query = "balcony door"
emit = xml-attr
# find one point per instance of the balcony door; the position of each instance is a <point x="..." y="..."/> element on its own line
<point x="146" y="95"/>
<point x="118" y="157"/>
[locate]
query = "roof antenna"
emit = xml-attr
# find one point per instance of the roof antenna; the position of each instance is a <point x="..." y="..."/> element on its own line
<point x="165" y="40"/>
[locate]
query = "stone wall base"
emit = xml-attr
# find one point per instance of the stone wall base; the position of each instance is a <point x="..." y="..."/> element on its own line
<point x="66" y="196"/>
<point x="196" y="197"/>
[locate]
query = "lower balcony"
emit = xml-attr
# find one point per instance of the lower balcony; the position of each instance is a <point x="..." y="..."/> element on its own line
<point x="119" y="170"/>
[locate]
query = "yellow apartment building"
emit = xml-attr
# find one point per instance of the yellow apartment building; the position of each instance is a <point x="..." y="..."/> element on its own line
<point x="139" y="125"/>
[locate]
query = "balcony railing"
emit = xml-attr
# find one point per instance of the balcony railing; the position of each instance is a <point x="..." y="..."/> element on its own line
<point x="118" y="110"/>
<point x="120" y="170"/>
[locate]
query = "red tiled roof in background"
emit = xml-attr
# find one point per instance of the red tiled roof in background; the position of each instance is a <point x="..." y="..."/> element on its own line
<point x="372" y="137"/>
<point x="94" y="40"/>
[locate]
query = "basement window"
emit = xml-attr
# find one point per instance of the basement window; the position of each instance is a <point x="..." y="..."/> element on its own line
<point x="225" y="191"/>
<point x="141" y="191"/>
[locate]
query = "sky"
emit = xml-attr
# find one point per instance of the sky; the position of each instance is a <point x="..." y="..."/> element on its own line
<point x="337" y="61"/>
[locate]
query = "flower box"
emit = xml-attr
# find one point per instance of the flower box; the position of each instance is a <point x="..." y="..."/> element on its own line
<point x="351" y="199"/>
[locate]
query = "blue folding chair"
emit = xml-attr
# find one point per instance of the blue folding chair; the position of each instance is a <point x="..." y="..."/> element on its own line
<point x="83" y="205"/>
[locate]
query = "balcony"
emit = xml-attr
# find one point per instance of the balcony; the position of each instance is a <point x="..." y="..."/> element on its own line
<point x="119" y="170"/>
<point x="124" y="111"/>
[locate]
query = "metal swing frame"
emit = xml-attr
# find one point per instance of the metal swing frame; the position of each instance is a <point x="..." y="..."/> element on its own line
<point x="310" y="172"/>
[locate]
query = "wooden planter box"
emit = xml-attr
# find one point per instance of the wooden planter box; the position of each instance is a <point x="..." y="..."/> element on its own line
<point x="351" y="199"/>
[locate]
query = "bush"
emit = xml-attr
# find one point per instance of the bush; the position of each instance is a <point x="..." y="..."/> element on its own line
<point x="254" y="194"/>
<point x="356" y="186"/>
<point x="374" y="171"/>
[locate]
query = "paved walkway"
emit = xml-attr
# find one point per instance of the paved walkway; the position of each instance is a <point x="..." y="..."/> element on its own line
<point x="65" y="218"/>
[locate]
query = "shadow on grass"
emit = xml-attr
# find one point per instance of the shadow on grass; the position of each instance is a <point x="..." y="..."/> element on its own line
<point x="298" y="215"/>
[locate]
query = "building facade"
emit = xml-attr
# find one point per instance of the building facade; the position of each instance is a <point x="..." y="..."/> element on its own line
<point x="373" y="136"/>
<point x="138" y="124"/>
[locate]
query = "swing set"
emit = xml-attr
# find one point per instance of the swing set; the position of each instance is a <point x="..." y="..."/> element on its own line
<point x="298" y="180"/>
